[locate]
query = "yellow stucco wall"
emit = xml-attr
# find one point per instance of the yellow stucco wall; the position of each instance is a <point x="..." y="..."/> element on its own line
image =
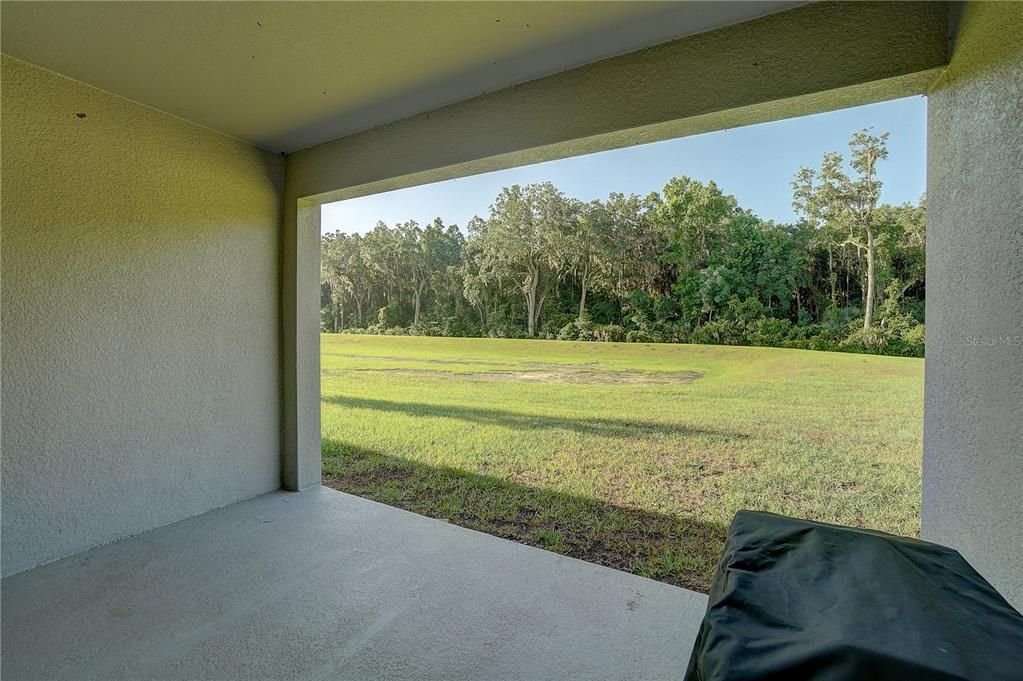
<point x="140" y="324"/>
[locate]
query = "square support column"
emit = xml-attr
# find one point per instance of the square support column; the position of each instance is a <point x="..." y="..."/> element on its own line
<point x="973" y="404"/>
<point x="300" y="336"/>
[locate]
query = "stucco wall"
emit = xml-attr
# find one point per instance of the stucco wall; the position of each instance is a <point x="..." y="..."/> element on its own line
<point x="140" y="318"/>
<point x="973" y="423"/>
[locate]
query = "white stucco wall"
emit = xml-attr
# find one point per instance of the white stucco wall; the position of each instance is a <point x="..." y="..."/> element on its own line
<point x="140" y="318"/>
<point x="973" y="413"/>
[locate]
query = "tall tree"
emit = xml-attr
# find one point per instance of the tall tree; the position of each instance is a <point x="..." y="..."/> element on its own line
<point x="341" y="271"/>
<point x="522" y="240"/>
<point x="447" y="244"/>
<point x="903" y="253"/>
<point x="848" y="203"/>
<point x="693" y="214"/>
<point x="480" y="287"/>
<point x="753" y="259"/>
<point x="385" y="257"/>
<point x="416" y="261"/>
<point x="585" y="246"/>
<point x="631" y="244"/>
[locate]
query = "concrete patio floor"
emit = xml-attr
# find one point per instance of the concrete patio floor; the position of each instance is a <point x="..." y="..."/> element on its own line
<point x="325" y="585"/>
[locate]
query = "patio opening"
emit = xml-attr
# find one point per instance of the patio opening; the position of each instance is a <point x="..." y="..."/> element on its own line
<point x="607" y="356"/>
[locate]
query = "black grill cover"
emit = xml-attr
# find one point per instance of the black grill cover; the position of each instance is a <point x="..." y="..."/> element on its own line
<point x="794" y="599"/>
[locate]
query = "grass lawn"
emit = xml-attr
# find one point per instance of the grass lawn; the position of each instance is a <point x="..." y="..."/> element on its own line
<point x="633" y="456"/>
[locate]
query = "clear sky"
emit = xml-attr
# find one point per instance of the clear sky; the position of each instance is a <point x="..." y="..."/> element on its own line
<point x="753" y="163"/>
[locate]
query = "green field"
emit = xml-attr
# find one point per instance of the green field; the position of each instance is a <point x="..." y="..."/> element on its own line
<point x="629" y="455"/>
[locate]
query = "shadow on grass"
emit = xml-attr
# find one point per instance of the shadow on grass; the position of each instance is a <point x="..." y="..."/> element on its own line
<point x="676" y="550"/>
<point x="602" y="427"/>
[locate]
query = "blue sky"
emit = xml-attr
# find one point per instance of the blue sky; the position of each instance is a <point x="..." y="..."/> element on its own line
<point x="753" y="163"/>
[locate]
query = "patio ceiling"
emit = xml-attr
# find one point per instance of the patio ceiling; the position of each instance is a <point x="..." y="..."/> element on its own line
<point x="285" y="76"/>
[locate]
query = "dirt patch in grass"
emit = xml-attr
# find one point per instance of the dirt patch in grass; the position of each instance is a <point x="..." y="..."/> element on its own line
<point x="554" y="373"/>
<point x="434" y="360"/>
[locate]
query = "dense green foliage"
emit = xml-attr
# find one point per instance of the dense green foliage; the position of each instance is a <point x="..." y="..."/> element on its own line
<point x="634" y="456"/>
<point x="687" y="264"/>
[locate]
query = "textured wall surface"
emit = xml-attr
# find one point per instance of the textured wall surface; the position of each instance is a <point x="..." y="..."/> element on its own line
<point x="738" y="75"/>
<point x="140" y="318"/>
<point x="973" y="424"/>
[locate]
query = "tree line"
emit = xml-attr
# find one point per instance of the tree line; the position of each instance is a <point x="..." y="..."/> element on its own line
<point x="686" y="264"/>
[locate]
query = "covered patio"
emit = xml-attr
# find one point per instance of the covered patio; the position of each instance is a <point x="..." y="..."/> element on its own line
<point x="163" y="166"/>
<point x="322" y="585"/>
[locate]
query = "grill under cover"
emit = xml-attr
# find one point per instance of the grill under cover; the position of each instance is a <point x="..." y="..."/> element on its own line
<point x="799" y="600"/>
